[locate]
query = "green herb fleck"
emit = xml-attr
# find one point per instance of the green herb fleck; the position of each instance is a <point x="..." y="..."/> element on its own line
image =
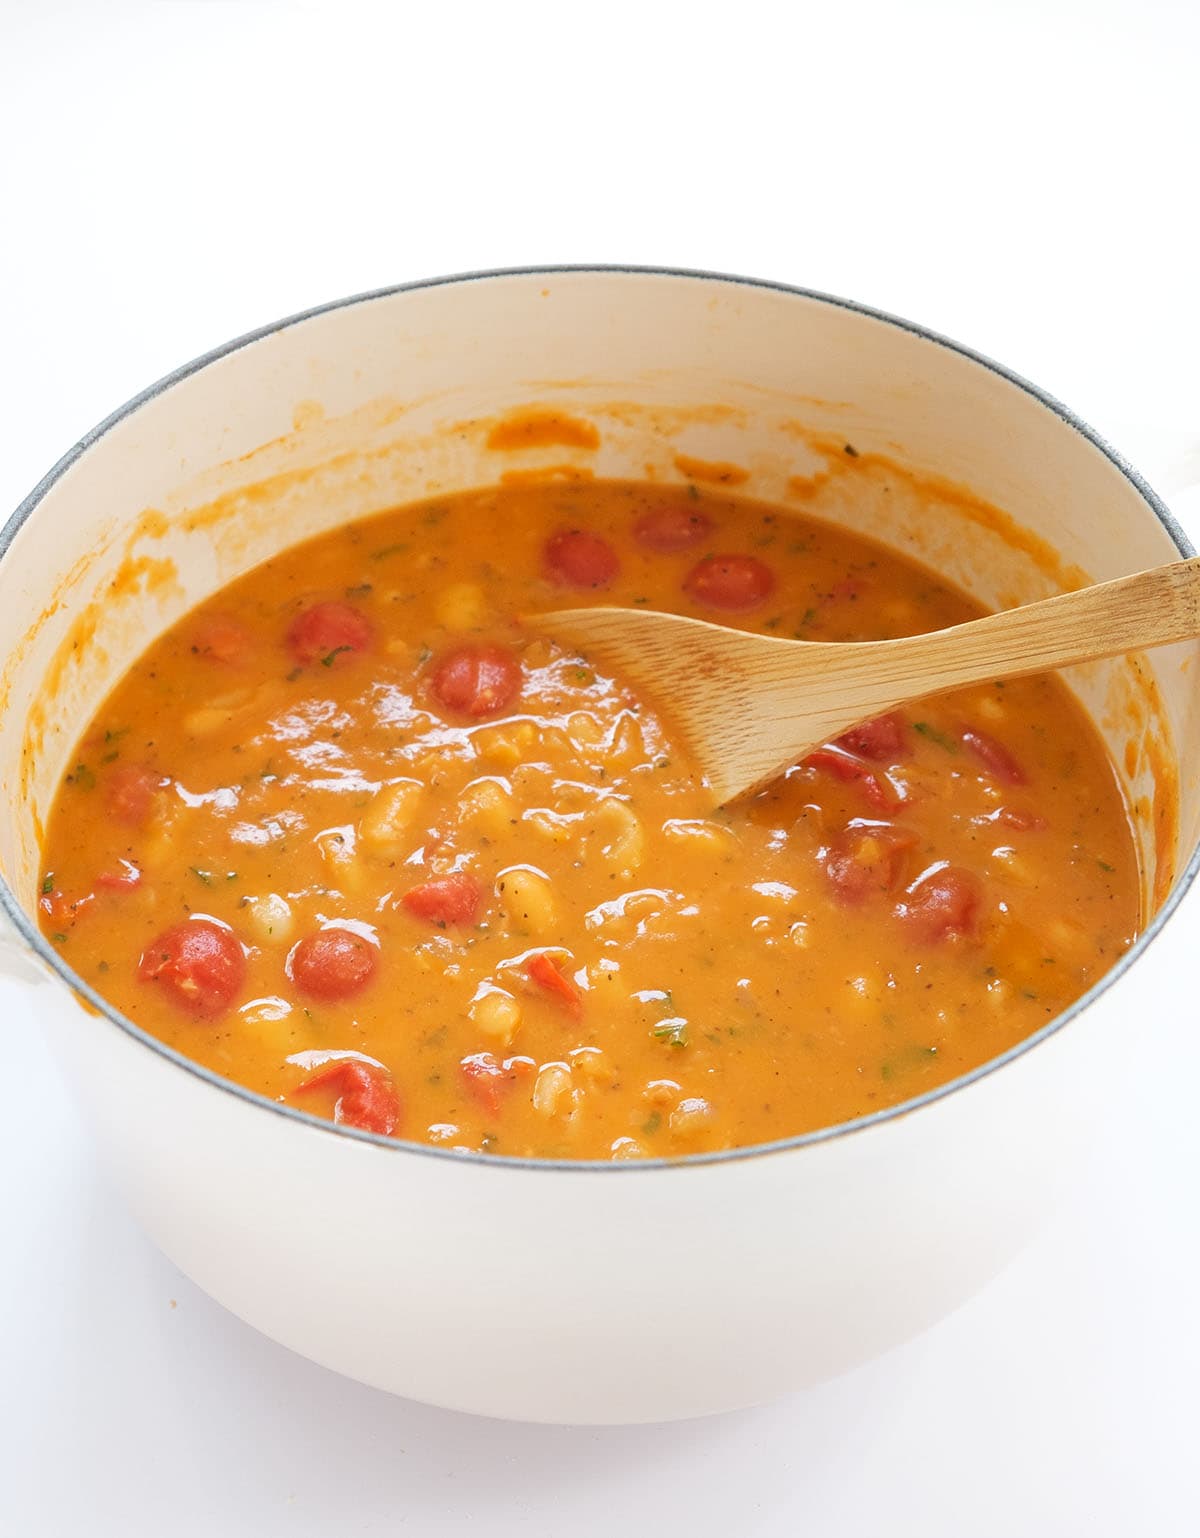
<point x="327" y="659"/>
<point x="382" y="555"/>
<point x="82" y="776"/>
<point x="201" y="875"/>
<point x="59" y="938"/>
<point x="360" y="591"/>
<point x="673" y="1031"/>
<point x="294" y="675"/>
<point x="1104" y="865"/>
<point x="907" y="1058"/>
<point x="693" y="491"/>
<point x="935" y="736"/>
<point x="48" y="883"/>
<point x="109" y="757"/>
<point x="424" y="655"/>
<point x="583" y="676"/>
<point x="652" y="1123"/>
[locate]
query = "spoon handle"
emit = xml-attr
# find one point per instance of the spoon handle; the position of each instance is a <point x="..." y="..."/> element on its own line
<point x="1151" y="608"/>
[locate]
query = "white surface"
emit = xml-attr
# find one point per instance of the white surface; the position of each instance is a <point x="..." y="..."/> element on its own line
<point x="1021" y="178"/>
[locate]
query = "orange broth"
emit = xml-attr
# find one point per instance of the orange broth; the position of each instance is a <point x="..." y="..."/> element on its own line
<point x="349" y="836"/>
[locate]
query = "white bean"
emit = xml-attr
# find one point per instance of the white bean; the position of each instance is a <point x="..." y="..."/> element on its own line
<point x="527" y="896"/>
<point x="691" y="1116"/>
<point x="461" y="606"/>
<point x="625" y="838"/>
<point x="496" y="1014"/>
<point x="389" y="817"/>
<point x="552" y="1086"/>
<point x="271" y="918"/>
<point x="487" y="806"/>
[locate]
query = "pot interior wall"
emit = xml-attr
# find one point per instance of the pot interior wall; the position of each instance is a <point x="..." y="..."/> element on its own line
<point x="388" y="399"/>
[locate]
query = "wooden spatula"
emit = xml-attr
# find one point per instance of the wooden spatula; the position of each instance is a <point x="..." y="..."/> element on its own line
<point x="750" y="705"/>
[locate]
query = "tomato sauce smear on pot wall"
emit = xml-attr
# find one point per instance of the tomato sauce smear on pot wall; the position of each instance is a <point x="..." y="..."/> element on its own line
<point x="349" y="836"/>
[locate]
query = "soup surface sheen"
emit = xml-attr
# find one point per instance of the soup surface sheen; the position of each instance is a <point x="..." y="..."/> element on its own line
<point x="349" y="836"/>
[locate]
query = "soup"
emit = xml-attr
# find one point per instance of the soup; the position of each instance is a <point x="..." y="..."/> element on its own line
<point x="350" y="836"/>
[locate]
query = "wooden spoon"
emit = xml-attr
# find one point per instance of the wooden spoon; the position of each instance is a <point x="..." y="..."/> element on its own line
<point x="751" y="705"/>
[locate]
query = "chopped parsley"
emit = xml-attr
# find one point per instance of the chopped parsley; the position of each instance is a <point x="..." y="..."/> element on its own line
<point x="673" y="1030"/>
<point x="934" y="735"/>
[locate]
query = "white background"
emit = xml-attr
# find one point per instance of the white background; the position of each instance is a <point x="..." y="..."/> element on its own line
<point x="1022" y="176"/>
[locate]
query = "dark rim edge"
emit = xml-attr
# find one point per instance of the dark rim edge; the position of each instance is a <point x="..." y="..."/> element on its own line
<point x="54" y="962"/>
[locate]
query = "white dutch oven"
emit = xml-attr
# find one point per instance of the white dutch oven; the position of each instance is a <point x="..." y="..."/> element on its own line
<point x="565" y="1291"/>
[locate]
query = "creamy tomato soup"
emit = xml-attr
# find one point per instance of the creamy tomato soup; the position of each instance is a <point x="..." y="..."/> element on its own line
<point x="351" y="837"/>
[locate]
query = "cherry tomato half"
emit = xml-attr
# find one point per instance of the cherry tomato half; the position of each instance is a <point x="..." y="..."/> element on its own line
<point x="332" y="964"/>
<point x="733" y="583"/>
<point x="329" y="633"/>
<point x="199" y="965"/>
<point x="477" y="680"/>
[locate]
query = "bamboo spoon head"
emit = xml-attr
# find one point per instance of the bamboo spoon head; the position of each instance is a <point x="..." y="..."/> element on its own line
<point x="747" y="706"/>
<point x="750" y="705"/>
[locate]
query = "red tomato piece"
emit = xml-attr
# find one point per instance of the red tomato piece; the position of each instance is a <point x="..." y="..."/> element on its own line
<point x="61" y="909"/>
<point x="879" y="790"/>
<point x="730" y="582"/>
<point x="55" y="906"/>
<point x="477" y="680"/>
<point x="332" y="964"/>
<point x="672" y="528"/>
<point x="994" y="757"/>
<point x="130" y="790"/>
<point x="445" y="900"/>
<point x="943" y="903"/>
<point x="199" y="964"/>
<point x="881" y="739"/>
<point x="545" y="972"/>
<point x="489" y="1080"/>
<point x="329" y="633"/>
<point x="1020" y="819"/>
<point x="367" y="1098"/>
<point x="579" y="558"/>
<point x="123" y="879"/>
<point x="866" y="857"/>
<point x="220" y="639"/>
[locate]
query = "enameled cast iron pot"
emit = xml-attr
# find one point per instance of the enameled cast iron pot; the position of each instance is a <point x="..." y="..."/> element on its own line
<point x="565" y="1291"/>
